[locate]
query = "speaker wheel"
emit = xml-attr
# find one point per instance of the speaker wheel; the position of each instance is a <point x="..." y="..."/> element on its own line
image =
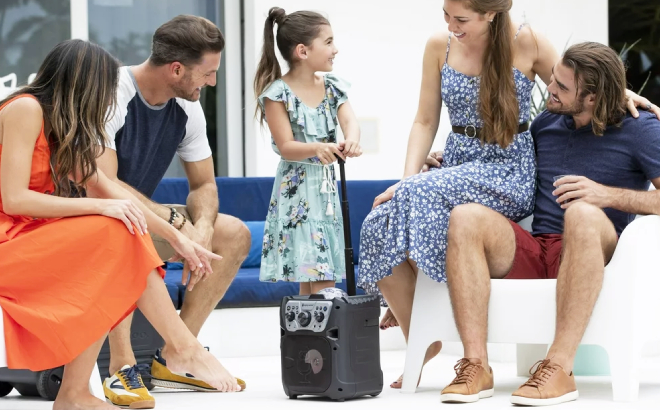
<point x="293" y="396"/>
<point x="5" y="389"/>
<point x="48" y="382"/>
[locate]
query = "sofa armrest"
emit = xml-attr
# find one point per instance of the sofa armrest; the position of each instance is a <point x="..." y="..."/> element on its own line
<point x="635" y="264"/>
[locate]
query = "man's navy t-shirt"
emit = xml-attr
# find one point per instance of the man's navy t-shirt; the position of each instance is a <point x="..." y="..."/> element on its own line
<point x="146" y="137"/>
<point x="625" y="157"/>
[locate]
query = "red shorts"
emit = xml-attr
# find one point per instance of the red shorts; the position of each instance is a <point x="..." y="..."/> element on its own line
<point x="537" y="257"/>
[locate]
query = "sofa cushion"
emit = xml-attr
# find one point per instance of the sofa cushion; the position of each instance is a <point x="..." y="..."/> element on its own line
<point x="173" y="284"/>
<point x="361" y="195"/>
<point x="246" y="290"/>
<point x="253" y="259"/>
<point x="248" y="199"/>
<point x="244" y="198"/>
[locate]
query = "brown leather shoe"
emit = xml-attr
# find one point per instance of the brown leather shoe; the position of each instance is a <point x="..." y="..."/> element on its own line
<point x="548" y="385"/>
<point x="472" y="382"/>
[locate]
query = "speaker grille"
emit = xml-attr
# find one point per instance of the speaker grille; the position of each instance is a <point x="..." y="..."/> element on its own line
<point x="306" y="363"/>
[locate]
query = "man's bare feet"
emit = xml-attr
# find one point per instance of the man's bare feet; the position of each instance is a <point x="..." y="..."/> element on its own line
<point x="388" y="320"/>
<point x="83" y="401"/>
<point x="431" y="352"/>
<point x="200" y="362"/>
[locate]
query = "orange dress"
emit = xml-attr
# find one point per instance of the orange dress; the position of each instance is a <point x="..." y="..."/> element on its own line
<point x="65" y="282"/>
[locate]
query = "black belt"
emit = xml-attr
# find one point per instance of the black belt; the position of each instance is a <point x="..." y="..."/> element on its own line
<point x="473" y="132"/>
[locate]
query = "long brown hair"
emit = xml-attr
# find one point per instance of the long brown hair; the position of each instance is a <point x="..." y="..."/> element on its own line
<point x="75" y="86"/>
<point x="598" y="70"/>
<point x="300" y="27"/>
<point x="498" y="102"/>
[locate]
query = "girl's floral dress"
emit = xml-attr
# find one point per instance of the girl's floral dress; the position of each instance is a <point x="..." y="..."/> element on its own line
<point x="303" y="237"/>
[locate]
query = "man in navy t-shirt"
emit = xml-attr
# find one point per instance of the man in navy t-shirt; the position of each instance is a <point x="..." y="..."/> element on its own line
<point x="595" y="164"/>
<point x="157" y="116"/>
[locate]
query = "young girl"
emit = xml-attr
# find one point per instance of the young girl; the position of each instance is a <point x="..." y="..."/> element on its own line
<point x="303" y="238"/>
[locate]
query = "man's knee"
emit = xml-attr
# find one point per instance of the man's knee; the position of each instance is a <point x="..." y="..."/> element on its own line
<point x="585" y="223"/>
<point x="581" y="217"/>
<point x="467" y="220"/>
<point x="232" y="233"/>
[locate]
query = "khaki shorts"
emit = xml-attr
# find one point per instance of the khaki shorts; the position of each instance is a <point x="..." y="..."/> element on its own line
<point x="164" y="249"/>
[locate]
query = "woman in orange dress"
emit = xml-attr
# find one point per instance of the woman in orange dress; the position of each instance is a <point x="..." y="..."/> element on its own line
<point x="71" y="267"/>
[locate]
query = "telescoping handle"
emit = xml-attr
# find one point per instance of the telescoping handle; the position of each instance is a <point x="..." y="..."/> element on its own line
<point x="348" y="252"/>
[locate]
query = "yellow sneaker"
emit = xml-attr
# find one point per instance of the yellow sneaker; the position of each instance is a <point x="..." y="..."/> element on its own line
<point x="161" y="376"/>
<point x="125" y="389"/>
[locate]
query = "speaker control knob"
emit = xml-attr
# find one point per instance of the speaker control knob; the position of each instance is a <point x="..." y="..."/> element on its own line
<point x="304" y="318"/>
<point x="290" y="316"/>
<point x="319" y="316"/>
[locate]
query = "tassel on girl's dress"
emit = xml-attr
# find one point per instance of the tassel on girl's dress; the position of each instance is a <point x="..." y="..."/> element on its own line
<point x="328" y="186"/>
<point x="329" y="211"/>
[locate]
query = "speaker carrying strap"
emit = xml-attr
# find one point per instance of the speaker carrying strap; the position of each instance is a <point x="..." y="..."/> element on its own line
<point x="348" y="252"/>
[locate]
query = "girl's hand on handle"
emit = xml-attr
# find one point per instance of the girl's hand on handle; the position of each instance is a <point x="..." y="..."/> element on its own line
<point x="126" y="211"/>
<point x="326" y="152"/>
<point x="196" y="257"/>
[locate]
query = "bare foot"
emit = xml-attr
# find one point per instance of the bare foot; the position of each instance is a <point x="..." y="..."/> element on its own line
<point x="388" y="320"/>
<point x="200" y="362"/>
<point x="431" y="352"/>
<point x="83" y="401"/>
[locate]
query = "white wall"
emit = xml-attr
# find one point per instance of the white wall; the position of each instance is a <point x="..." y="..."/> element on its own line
<point x="381" y="43"/>
<point x="232" y="56"/>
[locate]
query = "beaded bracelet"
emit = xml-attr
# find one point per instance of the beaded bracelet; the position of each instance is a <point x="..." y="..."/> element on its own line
<point x="173" y="214"/>
<point x="182" y="223"/>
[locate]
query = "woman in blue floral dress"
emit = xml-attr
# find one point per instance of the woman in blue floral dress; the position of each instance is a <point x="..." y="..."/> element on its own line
<point x="482" y="70"/>
<point x="303" y="237"/>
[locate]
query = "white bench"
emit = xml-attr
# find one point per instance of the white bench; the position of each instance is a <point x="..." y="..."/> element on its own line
<point x="625" y="318"/>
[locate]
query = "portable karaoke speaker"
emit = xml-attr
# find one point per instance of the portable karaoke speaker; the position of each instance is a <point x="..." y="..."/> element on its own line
<point x="330" y="342"/>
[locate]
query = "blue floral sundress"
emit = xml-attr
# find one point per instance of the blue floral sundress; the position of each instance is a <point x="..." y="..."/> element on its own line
<point x="416" y="219"/>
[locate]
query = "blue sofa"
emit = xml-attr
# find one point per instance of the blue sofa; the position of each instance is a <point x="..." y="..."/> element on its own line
<point x="247" y="199"/>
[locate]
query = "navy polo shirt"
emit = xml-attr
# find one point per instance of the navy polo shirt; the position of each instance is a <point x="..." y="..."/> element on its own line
<point x="626" y="157"/>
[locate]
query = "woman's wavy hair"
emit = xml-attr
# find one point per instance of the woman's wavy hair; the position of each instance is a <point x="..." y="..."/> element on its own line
<point x="76" y="88"/>
<point x="498" y="102"/>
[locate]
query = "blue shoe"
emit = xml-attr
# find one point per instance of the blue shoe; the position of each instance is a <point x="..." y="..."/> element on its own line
<point x="125" y="389"/>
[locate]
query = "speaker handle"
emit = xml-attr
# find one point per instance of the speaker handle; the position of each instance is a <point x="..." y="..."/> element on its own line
<point x="348" y="251"/>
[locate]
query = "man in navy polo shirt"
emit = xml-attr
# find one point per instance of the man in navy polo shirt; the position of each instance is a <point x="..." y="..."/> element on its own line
<point x="595" y="165"/>
<point x="157" y="116"/>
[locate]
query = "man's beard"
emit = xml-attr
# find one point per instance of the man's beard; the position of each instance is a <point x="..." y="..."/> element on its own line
<point x="188" y="96"/>
<point x="575" y="109"/>
<point x="181" y="90"/>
